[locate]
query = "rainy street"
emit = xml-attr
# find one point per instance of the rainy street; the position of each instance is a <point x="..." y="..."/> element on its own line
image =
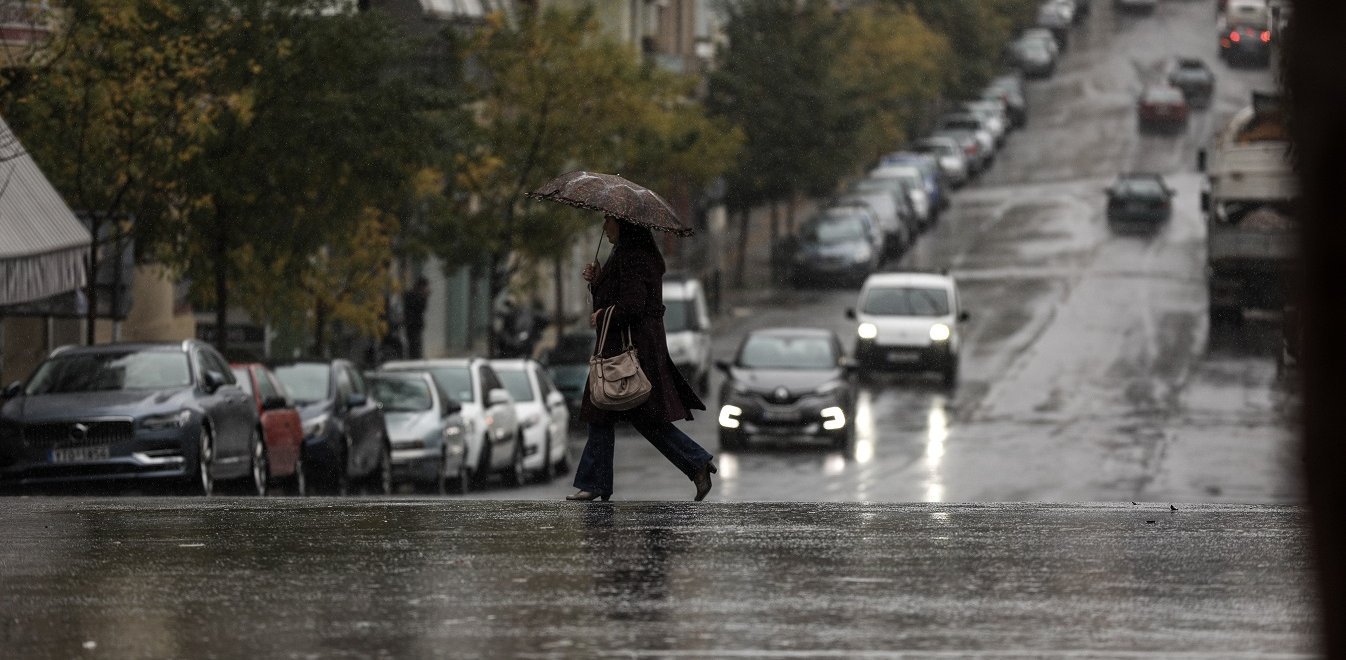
<point x="1090" y="371"/>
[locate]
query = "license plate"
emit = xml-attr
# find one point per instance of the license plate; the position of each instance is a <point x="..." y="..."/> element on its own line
<point x="903" y="356"/>
<point x="79" y="454"/>
<point x="781" y="416"/>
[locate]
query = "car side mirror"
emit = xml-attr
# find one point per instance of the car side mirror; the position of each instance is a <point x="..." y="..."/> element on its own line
<point x="498" y="397"/>
<point x="275" y="403"/>
<point x="452" y="407"/>
<point x="555" y="399"/>
<point x="850" y="313"/>
<point x="722" y="365"/>
<point x="963" y="317"/>
<point x="356" y="400"/>
<point x="12" y="390"/>
<point x="213" y="380"/>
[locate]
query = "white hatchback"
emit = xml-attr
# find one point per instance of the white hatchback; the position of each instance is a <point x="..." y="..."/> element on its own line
<point x="542" y="413"/>
<point x="909" y="322"/>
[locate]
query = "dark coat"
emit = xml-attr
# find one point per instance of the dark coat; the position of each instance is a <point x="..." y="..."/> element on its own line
<point x="633" y="280"/>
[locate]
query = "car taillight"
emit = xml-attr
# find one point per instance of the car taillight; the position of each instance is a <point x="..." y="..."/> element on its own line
<point x="1266" y="36"/>
<point x="970" y="150"/>
<point x="1234" y="36"/>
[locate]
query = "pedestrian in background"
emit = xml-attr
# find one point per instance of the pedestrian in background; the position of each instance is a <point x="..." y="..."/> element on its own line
<point x="413" y="314"/>
<point x="631" y="282"/>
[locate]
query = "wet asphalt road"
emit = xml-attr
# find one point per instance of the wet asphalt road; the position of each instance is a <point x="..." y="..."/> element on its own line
<point x="343" y="578"/>
<point x="1090" y="371"/>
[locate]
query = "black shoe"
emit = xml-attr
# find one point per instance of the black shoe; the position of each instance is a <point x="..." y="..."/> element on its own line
<point x="702" y="480"/>
<point x="586" y="496"/>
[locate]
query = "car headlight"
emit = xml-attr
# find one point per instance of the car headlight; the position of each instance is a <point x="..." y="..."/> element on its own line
<point x="175" y="420"/>
<point x="316" y="426"/>
<point x="940" y="332"/>
<point x="867" y="331"/>
<point x="729" y="416"/>
<point x="451" y="431"/>
<point x="834" y="418"/>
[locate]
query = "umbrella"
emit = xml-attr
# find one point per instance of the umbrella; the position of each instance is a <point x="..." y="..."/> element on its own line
<point x="614" y="196"/>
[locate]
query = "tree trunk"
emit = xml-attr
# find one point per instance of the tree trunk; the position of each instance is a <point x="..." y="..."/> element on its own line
<point x="91" y="289"/>
<point x="221" y="266"/>
<point x="744" y="224"/>
<point x="559" y="318"/>
<point x="320" y="330"/>
<point x="773" y="242"/>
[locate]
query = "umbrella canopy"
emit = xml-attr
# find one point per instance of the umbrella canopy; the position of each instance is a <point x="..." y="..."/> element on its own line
<point x="615" y="196"/>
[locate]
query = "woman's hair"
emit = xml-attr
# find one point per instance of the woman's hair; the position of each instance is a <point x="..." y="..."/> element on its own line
<point x="636" y="239"/>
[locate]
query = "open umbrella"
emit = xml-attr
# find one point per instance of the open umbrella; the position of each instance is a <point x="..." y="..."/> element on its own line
<point x="615" y="196"/>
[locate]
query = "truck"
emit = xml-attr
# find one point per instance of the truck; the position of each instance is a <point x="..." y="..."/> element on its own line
<point x="1248" y="203"/>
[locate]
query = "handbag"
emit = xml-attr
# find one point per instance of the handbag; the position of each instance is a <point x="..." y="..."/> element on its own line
<point x="617" y="382"/>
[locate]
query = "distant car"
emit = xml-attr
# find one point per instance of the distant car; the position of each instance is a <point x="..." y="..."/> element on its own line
<point x="914" y="178"/>
<point x="902" y="232"/>
<point x="1161" y="107"/>
<point x="1139" y="199"/>
<point x="1043" y="35"/>
<point x="1244" y="43"/>
<point x="494" y="439"/>
<point x="1034" y="58"/>
<point x="345" y="441"/>
<point x="978" y="159"/>
<point x="1057" y="17"/>
<point x="836" y="244"/>
<point x="428" y="436"/>
<point x="787" y="383"/>
<point x="1194" y="78"/>
<point x="967" y="121"/>
<point x="909" y="322"/>
<point x="1135" y="6"/>
<point x="947" y="152"/>
<point x="993" y="116"/>
<point x="542" y="414"/>
<point x="131" y="411"/>
<point x="280" y="424"/>
<point x="1009" y="89"/>
<point x="932" y="178"/>
<point x="687" y="328"/>
<point x="567" y="363"/>
<point x="895" y="230"/>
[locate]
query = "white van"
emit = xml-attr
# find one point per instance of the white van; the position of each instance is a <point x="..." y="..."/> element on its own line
<point x="687" y="322"/>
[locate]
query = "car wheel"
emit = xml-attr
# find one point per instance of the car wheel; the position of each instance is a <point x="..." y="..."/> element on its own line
<point x="261" y="466"/>
<point x="547" y="473"/>
<point x="516" y="475"/>
<point x="299" y="482"/>
<point x="341" y="481"/>
<point x="729" y="441"/>
<point x="203" y="482"/>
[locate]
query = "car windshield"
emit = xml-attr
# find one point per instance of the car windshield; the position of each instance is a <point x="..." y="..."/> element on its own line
<point x="307" y="382"/>
<point x="677" y="315"/>
<point x="454" y="380"/>
<point x="1139" y="187"/>
<point x="1163" y="95"/>
<point x="911" y="177"/>
<point x="906" y="301"/>
<point x="101" y="372"/>
<point x="778" y="352"/>
<point x="834" y="229"/>
<point x="402" y="394"/>
<point x="873" y="186"/>
<point x="516" y="381"/>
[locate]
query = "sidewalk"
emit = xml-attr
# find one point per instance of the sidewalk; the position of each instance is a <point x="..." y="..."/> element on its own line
<point x="433" y="577"/>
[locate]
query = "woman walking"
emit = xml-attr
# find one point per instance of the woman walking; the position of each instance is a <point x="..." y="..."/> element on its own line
<point x="631" y="284"/>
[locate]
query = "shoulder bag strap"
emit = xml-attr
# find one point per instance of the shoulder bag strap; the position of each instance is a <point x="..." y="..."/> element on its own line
<point x="603" y="336"/>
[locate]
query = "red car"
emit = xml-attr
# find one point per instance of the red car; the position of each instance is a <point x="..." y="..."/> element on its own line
<point x="282" y="432"/>
<point x="1162" y="106"/>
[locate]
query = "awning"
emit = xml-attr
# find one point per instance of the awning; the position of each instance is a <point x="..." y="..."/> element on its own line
<point x="43" y="246"/>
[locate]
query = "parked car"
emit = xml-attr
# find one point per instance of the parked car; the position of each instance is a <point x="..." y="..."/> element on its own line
<point x="893" y="232"/>
<point x="1057" y="17"/>
<point x="542" y="414"/>
<point x="567" y="363"/>
<point x="494" y="439"/>
<point x="131" y="411"/>
<point x="428" y="435"/>
<point x="687" y="326"/>
<point x="993" y="117"/>
<point x="1033" y="58"/>
<point x="345" y="440"/>
<point x="932" y="178"/>
<point x="1194" y="78"/>
<point x="835" y="244"/>
<point x="1139" y="200"/>
<point x="1010" y="91"/>
<point x="281" y="429"/>
<point x="977" y="158"/>
<point x="909" y="321"/>
<point x="947" y="152"/>
<point x="900" y="234"/>
<point x="914" y="179"/>
<point x="787" y="383"/>
<point x="1043" y="35"/>
<point x="967" y="121"/>
<point x="1161" y="107"/>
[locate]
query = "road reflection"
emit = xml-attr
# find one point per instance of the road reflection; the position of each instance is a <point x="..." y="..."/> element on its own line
<point x="937" y="432"/>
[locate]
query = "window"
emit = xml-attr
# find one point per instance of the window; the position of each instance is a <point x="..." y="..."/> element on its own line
<point x="211" y="361"/>
<point x="457" y="381"/>
<point x="265" y="387"/>
<point x="776" y="352"/>
<point x="489" y="381"/>
<point x="306" y="381"/>
<point x="516" y="381"/>
<point x="241" y="376"/>
<point x="907" y="301"/>
<point x="99" y="372"/>
<point x="402" y="394"/>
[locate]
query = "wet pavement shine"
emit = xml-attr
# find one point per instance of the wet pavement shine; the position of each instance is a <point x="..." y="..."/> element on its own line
<point x="428" y="577"/>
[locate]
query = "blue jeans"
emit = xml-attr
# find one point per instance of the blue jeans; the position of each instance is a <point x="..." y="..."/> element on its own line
<point x="594" y="472"/>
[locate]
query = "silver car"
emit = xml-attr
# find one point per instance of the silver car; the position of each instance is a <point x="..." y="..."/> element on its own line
<point x="426" y="429"/>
